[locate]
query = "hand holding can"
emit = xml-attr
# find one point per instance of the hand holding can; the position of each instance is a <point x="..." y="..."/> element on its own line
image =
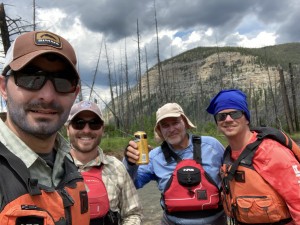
<point x="141" y="140"/>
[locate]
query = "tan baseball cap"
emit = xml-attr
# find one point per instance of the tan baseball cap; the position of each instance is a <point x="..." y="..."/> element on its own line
<point x="84" y="106"/>
<point x="29" y="45"/>
<point x="170" y="110"/>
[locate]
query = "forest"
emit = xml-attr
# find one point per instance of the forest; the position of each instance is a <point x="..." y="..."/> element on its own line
<point x="269" y="76"/>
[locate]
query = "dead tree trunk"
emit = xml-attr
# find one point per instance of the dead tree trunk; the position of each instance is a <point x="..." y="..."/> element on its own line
<point x="96" y="70"/>
<point x="139" y="77"/>
<point x="111" y="89"/>
<point x="273" y="99"/>
<point x="80" y="96"/>
<point x="162" y="84"/>
<point x="34" y="23"/>
<point x="127" y="92"/>
<point x="148" y="84"/>
<point x="294" y="99"/>
<point x="220" y="69"/>
<point x="4" y="29"/>
<point x="285" y="100"/>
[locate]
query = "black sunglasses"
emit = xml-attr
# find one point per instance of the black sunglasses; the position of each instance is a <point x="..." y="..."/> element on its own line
<point x="94" y="124"/>
<point x="234" y="115"/>
<point x="32" y="78"/>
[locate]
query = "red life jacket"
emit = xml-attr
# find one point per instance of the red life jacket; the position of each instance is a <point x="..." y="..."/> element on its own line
<point x="189" y="188"/>
<point x="97" y="194"/>
<point x="25" y="201"/>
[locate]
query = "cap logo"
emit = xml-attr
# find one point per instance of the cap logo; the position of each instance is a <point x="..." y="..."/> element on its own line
<point x="47" y="38"/>
<point x="86" y="105"/>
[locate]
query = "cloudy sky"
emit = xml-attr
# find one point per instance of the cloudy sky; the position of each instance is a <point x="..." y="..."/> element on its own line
<point x="182" y="25"/>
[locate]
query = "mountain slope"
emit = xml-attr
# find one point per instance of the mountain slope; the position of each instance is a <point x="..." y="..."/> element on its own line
<point x="193" y="77"/>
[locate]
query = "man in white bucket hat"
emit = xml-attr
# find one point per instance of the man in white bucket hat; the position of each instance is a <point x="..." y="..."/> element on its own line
<point x="180" y="166"/>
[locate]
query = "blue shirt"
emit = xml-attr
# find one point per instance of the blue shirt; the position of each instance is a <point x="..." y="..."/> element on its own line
<point x="159" y="170"/>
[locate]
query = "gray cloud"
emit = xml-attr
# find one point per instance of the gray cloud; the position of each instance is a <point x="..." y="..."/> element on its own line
<point x="117" y="19"/>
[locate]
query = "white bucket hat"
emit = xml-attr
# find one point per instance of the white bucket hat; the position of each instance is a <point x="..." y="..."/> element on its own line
<point x="170" y="110"/>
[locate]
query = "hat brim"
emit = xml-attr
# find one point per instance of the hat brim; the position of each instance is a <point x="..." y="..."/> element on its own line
<point x="22" y="61"/>
<point x="73" y="116"/>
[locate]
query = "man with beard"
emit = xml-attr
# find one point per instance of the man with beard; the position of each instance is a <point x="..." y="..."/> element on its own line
<point x="39" y="181"/>
<point x="264" y="189"/>
<point x="110" y="186"/>
<point x="185" y="167"/>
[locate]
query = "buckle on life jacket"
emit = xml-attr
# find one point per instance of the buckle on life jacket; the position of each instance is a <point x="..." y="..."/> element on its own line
<point x="33" y="187"/>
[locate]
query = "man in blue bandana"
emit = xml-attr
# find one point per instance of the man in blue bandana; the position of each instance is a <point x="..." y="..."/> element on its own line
<point x="255" y="193"/>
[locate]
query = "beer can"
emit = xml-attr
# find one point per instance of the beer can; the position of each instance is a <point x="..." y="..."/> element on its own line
<point x="141" y="140"/>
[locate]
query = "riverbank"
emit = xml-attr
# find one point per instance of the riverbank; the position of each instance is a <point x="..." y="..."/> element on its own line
<point x="150" y="197"/>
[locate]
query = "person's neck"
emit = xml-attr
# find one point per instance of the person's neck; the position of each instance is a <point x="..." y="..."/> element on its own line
<point x="84" y="157"/>
<point x="36" y="144"/>
<point x="239" y="141"/>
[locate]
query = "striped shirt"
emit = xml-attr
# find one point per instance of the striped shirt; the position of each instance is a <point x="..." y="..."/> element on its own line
<point x="122" y="194"/>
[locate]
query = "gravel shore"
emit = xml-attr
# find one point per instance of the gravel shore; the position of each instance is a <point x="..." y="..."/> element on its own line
<point x="149" y="197"/>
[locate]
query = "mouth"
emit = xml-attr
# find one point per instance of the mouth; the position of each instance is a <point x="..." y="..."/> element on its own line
<point x="85" y="138"/>
<point x="44" y="112"/>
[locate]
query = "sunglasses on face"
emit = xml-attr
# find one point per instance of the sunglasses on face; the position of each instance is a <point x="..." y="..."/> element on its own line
<point x="234" y="115"/>
<point x="94" y="124"/>
<point x="33" y="79"/>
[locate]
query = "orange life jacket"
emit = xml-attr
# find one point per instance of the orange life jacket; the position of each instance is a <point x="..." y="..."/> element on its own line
<point x="25" y="201"/>
<point x="246" y="196"/>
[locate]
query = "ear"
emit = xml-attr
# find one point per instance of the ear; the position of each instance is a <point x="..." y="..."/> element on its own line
<point x="3" y="87"/>
<point x="248" y="123"/>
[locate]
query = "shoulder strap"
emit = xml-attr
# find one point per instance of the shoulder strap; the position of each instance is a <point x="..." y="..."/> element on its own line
<point x="246" y="156"/>
<point x="275" y="134"/>
<point x="197" y="148"/>
<point x="226" y="155"/>
<point x="20" y="168"/>
<point x="279" y="136"/>
<point x="168" y="153"/>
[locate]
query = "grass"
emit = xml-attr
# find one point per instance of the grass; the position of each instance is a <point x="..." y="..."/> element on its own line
<point x="116" y="145"/>
<point x="296" y="137"/>
<point x="112" y="144"/>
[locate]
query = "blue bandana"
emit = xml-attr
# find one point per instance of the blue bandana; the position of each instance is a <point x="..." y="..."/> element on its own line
<point x="229" y="99"/>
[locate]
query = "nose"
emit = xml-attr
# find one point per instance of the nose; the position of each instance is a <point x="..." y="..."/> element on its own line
<point x="228" y="118"/>
<point x="47" y="92"/>
<point x="86" y="128"/>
